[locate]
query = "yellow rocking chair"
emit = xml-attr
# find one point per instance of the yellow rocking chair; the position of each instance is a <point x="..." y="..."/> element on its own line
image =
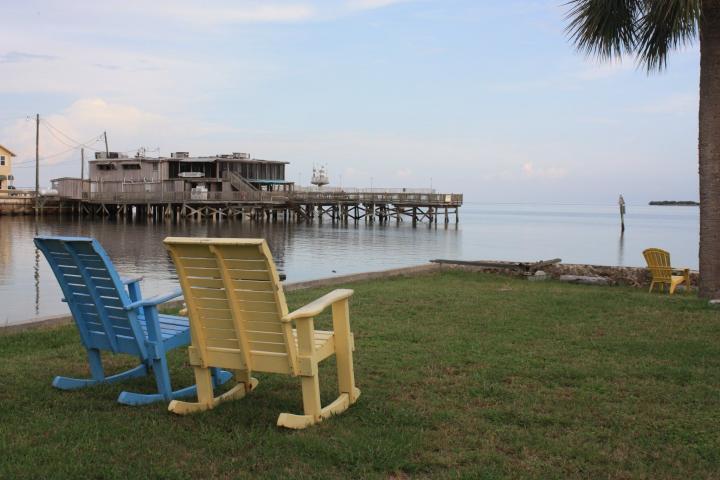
<point x="658" y="262"/>
<point x="239" y="321"/>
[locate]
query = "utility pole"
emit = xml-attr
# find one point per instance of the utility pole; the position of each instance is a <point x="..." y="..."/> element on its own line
<point x="107" y="153"/>
<point x="37" y="164"/>
<point x="82" y="166"/>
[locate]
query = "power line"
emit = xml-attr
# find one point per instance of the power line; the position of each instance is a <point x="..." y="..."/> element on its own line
<point x="66" y="135"/>
<point x="77" y="144"/>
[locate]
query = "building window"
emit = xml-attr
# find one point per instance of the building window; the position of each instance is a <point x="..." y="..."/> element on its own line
<point x="155" y="167"/>
<point x="131" y="166"/>
<point x="109" y="166"/>
<point x="2" y="160"/>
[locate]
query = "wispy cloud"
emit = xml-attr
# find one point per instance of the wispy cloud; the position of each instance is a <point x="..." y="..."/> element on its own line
<point x="17" y="57"/>
<point x="260" y="13"/>
<point x="106" y="67"/>
<point x="128" y="127"/>
<point x="403" y="173"/>
<point x="530" y="170"/>
<point x="372" y="4"/>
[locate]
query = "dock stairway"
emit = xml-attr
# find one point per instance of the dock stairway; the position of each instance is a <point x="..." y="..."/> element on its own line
<point x="238" y="182"/>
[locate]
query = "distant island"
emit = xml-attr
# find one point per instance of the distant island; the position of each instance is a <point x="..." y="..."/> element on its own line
<point x="676" y="203"/>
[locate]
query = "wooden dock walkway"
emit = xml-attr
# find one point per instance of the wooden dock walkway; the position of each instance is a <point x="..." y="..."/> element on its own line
<point x="302" y="206"/>
<point x="370" y="207"/>
<point x="22" y="202"/>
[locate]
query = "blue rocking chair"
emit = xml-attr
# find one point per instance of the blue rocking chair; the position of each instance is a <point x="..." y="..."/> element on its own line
<point x="111" y="318"/>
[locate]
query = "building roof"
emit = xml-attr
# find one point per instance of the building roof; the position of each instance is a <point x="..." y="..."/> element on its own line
<point x="269" y="182"/>
<point x="216" y="158"/>
<point x="185" y="160"/>
<point x="7" y="150"/>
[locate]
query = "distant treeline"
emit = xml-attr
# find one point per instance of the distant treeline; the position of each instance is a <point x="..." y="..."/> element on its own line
<point x="679" y="203"/>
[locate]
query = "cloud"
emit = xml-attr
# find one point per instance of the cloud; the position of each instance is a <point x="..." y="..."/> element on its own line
<point x="529" y="170"/>
<point x="106" y="67"/>
<point x="246" y="11"/>
<point x="17" y="57"/>
<point x="373" y="4"/>
<point x="260" y="13"/>
<point x="128" y="128"/>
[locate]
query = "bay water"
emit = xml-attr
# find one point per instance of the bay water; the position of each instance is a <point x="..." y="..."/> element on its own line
<point x="515" y="232"/>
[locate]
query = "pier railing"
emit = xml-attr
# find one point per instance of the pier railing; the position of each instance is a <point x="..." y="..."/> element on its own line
<point x="17" y="193"/>
<point x="327" y="189"/>
<point x="184" y="197"/>
<point x="400" y="198"/>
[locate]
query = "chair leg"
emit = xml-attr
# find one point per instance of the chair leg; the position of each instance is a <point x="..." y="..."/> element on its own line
<point x="162" y="377"/>
<point x="652" y="285"/>
<point x="96" y="368"/>
<point x="311" y="397"/>
<point x="344" y="351"/>
<point x="311" y="406"/>
<point x="205" y="378"/>
<point x="204" y="381"/>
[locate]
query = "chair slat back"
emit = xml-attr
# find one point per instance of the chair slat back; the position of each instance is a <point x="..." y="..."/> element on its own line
<point x="94" y="292"/>
<point x="235" y="304"/>
<point x="658" y="261"/>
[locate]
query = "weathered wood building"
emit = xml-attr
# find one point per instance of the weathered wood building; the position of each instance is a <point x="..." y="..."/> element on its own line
<point x="117" y="173"/>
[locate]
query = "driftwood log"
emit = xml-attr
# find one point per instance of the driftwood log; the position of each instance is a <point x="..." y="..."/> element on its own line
<point x="525" y="268"/>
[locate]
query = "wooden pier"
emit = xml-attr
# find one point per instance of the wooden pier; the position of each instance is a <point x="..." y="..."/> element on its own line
<point x="305" y="206"/>
<point x="22" y="202"/>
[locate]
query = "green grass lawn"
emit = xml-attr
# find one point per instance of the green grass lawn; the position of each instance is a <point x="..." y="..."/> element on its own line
<point x="462" y="376"/>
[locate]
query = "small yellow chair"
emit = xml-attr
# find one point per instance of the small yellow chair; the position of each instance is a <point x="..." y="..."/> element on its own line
<point x="239" y="321"/>
<point x="658" y="262"/>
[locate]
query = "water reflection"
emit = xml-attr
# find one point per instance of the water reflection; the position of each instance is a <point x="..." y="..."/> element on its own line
<point x="577" y="234"/>
<point x="36" y="273"/>
<point x="301" y="251"/>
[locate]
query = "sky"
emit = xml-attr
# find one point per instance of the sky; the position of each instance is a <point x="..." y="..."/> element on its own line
<point x="484" y="98"/>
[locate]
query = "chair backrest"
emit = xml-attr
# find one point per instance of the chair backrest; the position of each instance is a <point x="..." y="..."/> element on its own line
<point x="235" y="304"/>
<point x="95" y="294"/>
<point x="658" y="261"/>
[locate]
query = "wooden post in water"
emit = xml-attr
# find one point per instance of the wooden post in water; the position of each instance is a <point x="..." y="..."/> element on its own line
<point x="37" y="164"/>
<point x="621" y="203"/>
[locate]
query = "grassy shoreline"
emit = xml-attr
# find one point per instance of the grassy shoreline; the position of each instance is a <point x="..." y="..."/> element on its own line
<point x="464" y="375"/>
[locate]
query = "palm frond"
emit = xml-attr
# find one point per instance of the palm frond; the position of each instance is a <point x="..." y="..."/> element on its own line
<point x="664" y="26"/>
<point x="604" y="28"/>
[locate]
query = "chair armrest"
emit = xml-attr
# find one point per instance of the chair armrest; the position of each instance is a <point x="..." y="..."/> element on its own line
<point x="684" y="271"/>
<point x="314" y="308"/>
<point x="129" y="280"/>
<point x="156" y="300"/>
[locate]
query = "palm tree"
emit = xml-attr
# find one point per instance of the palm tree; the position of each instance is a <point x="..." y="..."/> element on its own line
<point x="650" y="29"/>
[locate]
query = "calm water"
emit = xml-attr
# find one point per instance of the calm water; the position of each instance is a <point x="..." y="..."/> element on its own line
<point x="575" y="233"/>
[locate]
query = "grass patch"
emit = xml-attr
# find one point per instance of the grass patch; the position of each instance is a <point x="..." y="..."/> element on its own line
<point x="463" y="376"/>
